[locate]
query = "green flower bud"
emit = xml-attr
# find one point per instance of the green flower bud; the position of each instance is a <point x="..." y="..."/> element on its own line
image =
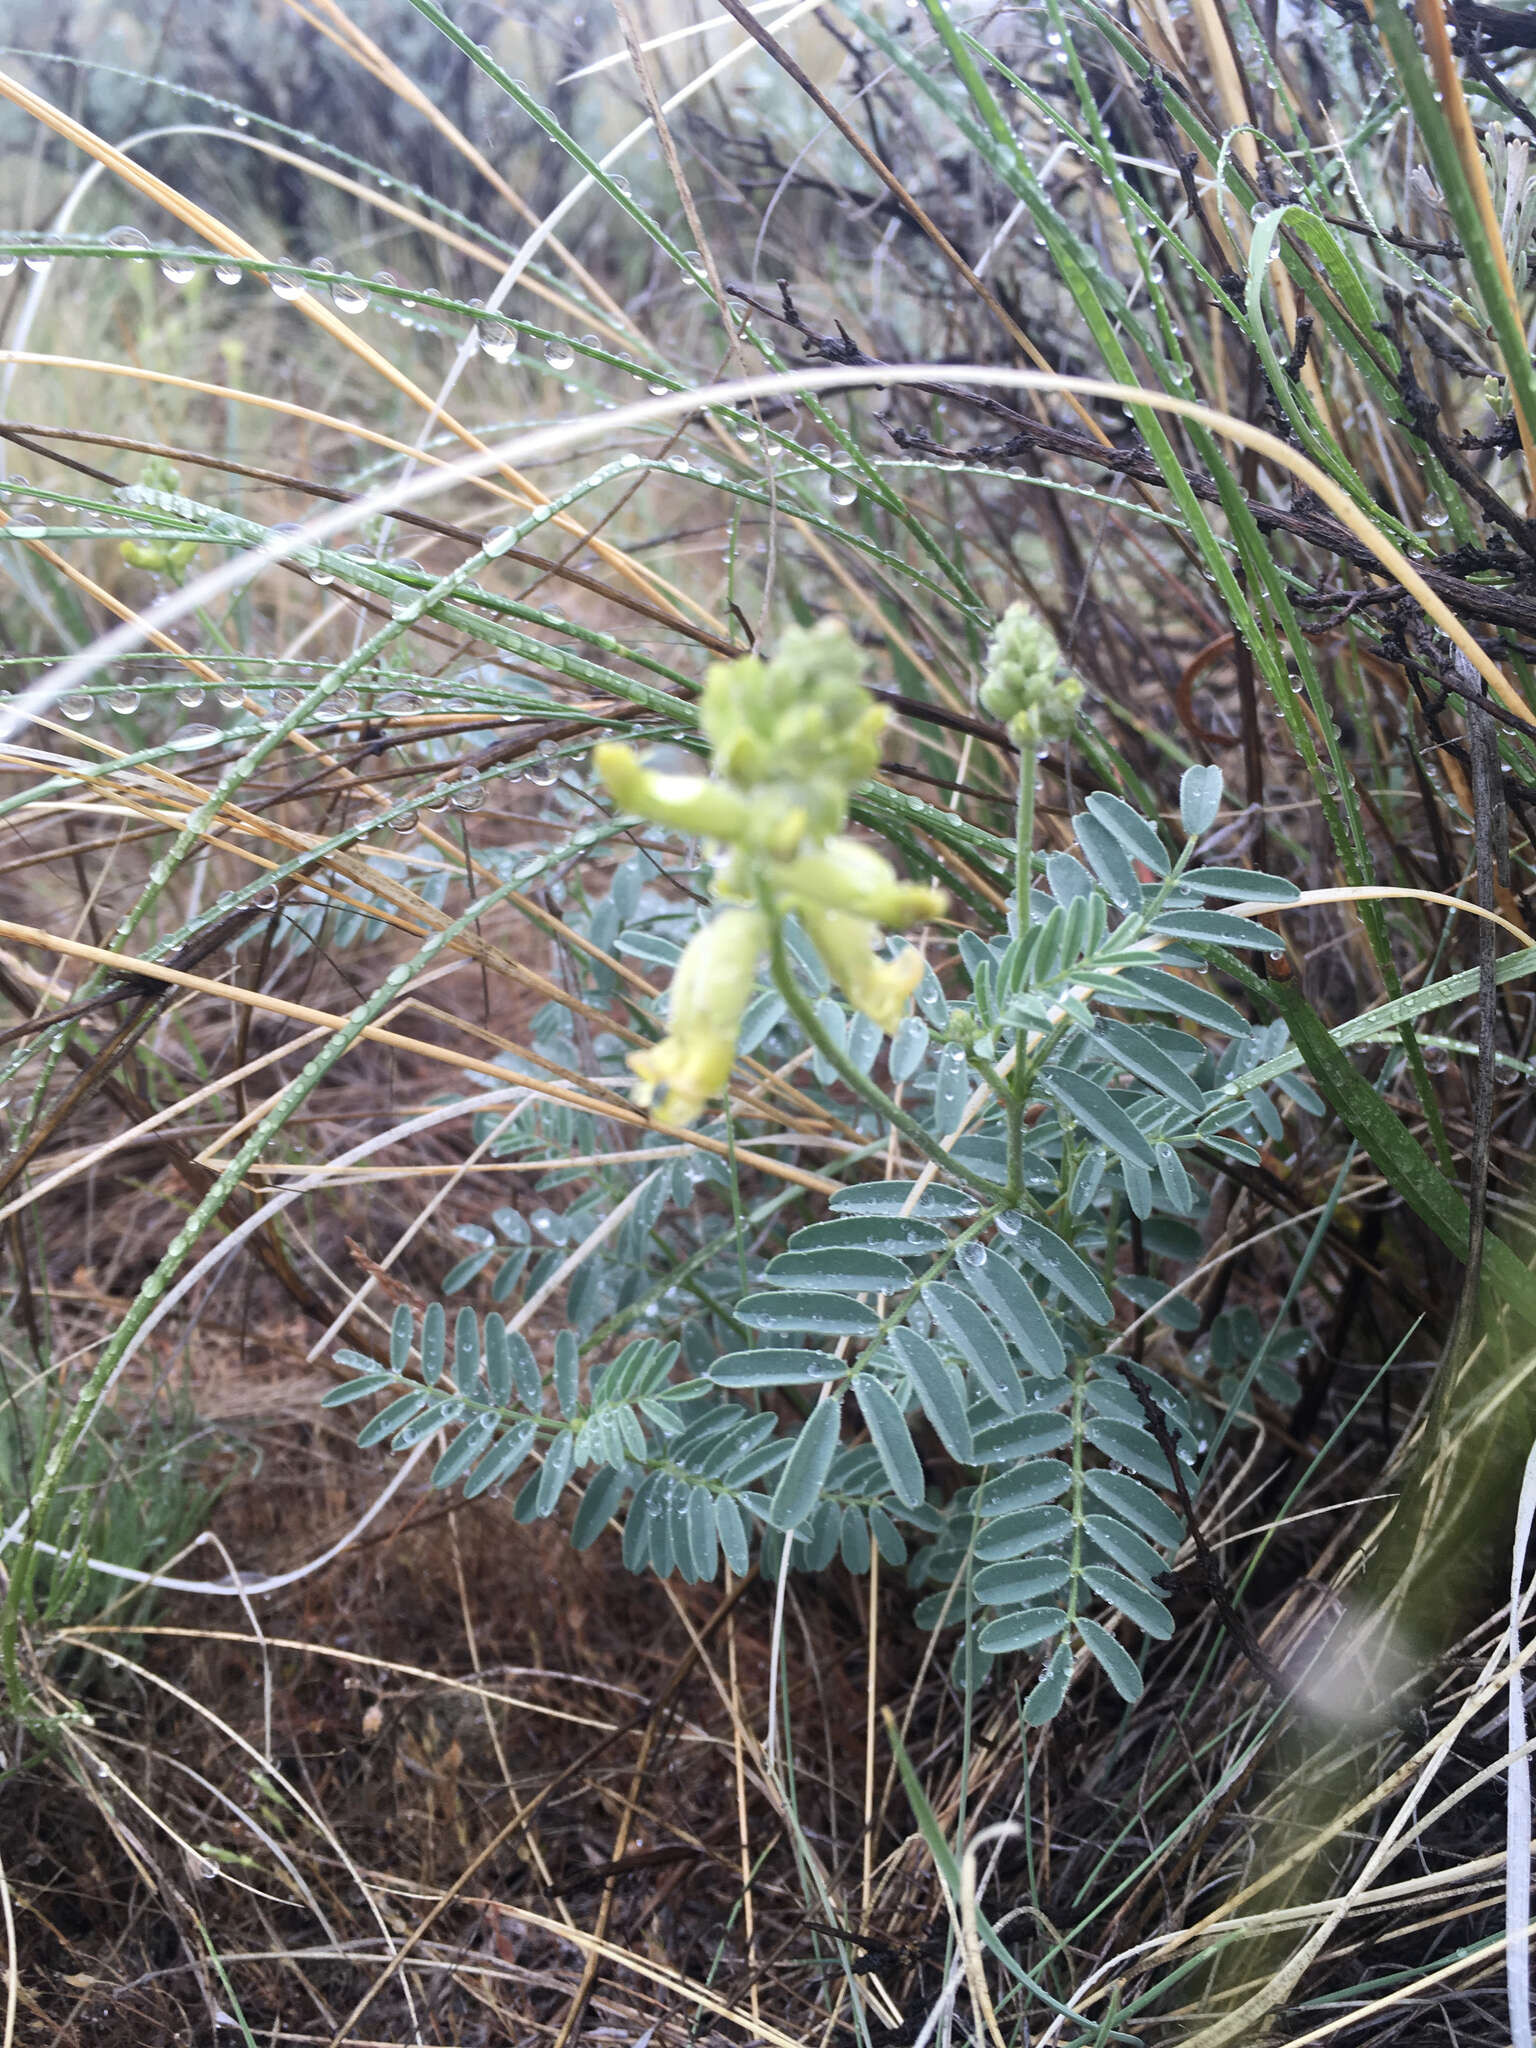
<point x="800" y="723"/>
<point x="1028" y="686"/>
<point x="163" y="557"/>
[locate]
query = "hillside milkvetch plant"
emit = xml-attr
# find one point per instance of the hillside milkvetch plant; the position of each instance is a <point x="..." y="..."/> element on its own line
<point x="790" y="740"/>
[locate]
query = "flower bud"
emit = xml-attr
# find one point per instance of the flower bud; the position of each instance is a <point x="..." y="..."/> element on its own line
<point x="1027" y="685"/>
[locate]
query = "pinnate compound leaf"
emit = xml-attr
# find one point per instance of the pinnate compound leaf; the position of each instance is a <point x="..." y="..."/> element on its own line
<point x="1138" y="1504"/>
<point x="1135" y="1051"/>
<point x="804" y="1313"/>
<point x="774" y="1366"/>
<point x="1017" y="1535"/>
<point x="1024" y="1630"/>
<point x="1132" y="1599"/>
<point x="845" y="1272"/>
<point x="798" y="1492"/>
<point x="1243" y="885"/>
<point x="1108" y="858"/>
<point x="891" y="1438"/>
<point x="434" y="1342"/>
<point x="1127" y="1445"/>
<point x="1019" y="1582"/>
<point x="1199" y="799"/>
<point x="940" y="1388"/>
<point x="358" y="1389"/>
<point x="1049" y="1689"/>
<point x="1132" y="1553"/>
<point x="1098" y="1112"/>
<point x="391" y="1418"/>
<point x="1140" y="839"/>
<point x="974" y="1337"/>
<point x="1217" y="928"/>
<point x="1056" y="1262"/>
<point x="501" y="1460"/>
<point x="1026" y="1486"/>
<point x="1116" y="1662"/>
<point x="599" y="1504"/>
<point x="402" y="1334"/>
<point x="463" y="1451"/>
<point x="1012" y="1300"/>
<point x="559" y="1462"/>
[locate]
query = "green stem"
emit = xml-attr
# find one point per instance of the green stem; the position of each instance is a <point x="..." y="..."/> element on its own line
<point x="872" y="1095"/>
<point x="1023" y="867"/>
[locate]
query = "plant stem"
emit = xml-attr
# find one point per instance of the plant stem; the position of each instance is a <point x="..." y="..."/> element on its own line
<point x="869" y="1092"/>
<point x="1024" y="844"/>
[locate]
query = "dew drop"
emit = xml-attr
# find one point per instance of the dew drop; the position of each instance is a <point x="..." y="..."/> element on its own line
<point x="26" y="522"/>
<point x="842" y="490"/>
<point x="7" y="263"/>
<point x="123" y="699"/>
<point x="469" y="796"/>
<point x="194" y="739"/>
<point x="128" y="238"/>
<point x="498" y="540"/>
<point x="497" y="341"/>
<point x="77" y="705"/>
<point x="189" y="696"/>
<point x="620" y="183"/>
<point x="228" y="273"/>
<point x="658" y="390"/>
<point x="242" y="120"/>
<point x="39" y="261"/>
<point x="349" y="296"/>
<point x="177" y="269"/>
<point x="406" y="822"/>
<point x="972" y="1254"/>
<point x="286" y="286"/>
<point x="231" y="697"/>
<point x="559" y="354"/>
<point x="1010" y="1223"/>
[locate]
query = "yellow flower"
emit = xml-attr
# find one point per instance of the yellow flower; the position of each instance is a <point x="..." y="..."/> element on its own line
<point x="847" y="875"/>
<point x="688" y="802"/>
<point x="710" y="991"/>
<point x="881" y="989"/>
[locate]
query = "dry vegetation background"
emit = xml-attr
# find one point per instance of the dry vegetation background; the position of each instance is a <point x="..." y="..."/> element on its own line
<point x="463" y="1783"/>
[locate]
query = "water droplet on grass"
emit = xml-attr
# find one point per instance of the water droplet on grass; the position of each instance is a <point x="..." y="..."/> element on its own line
<point x="194" y="739"/>
<point x="190" y="695"/>
<point x="77" y="705"/>
<point x="128" y="238"/>
<point x="177" y="269"/>
<point x="285" y="285"/>
<point x="497" y="341"/>
<point x="499" y="539"/>
<point x="349" y="296"/>
<point x="123" y="699"/>
<point x="559" y="354"/>
<point x="228" y="273"/>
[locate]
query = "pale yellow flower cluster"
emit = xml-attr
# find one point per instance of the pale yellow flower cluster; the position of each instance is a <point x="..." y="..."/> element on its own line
<point x="790" y="741"/>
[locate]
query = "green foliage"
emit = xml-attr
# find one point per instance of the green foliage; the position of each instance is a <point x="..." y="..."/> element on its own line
<point x="927" y="1364"/>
